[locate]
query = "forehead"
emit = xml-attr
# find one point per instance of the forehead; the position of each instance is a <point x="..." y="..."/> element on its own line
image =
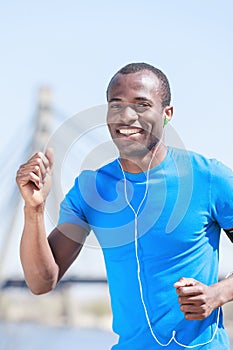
<point x="132" y="85"/>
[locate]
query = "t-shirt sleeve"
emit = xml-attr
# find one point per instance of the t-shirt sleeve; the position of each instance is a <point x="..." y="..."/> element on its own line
<point x="222" y="194"/>
<point x="71" y="208"/>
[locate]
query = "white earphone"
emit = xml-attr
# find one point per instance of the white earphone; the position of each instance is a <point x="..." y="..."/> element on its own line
<point x="138" y="261"/>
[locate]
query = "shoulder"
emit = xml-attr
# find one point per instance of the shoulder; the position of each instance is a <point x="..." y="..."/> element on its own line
<point x="87" y="177"/>
<point x="200" y="163"/>
<point x="197" y="159"/>
<point x="91" y="186"/>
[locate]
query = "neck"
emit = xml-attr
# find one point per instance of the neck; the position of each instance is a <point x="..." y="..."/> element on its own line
<point x="138" y="164"/>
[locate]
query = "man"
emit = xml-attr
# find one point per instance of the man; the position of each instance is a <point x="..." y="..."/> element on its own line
<point x="157" y="213"/>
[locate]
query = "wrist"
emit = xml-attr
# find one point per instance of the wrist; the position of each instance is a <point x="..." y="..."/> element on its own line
<point x="224" y="290"/>
<point x="31" y="209"/>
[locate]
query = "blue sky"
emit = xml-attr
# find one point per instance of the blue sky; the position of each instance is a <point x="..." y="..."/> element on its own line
<point x="75" y="47"/>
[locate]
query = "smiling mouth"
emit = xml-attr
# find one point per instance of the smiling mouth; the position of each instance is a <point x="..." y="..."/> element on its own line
<point x="128" y="132"/>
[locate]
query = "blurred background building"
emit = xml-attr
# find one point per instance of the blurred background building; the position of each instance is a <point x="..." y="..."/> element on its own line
<point x="81" y="298"/>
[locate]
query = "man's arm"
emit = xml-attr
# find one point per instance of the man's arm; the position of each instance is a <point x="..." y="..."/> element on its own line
<point x="44" y="260"/>
<point x="65" y="249"/>
<point x="197" y="300"/>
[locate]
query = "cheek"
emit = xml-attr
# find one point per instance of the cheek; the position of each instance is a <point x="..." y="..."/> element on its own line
<point x="110" y="118"/>
<point x="110" y="125"/>
<point x="156" y="121"/>
<point x="155" y="128"/>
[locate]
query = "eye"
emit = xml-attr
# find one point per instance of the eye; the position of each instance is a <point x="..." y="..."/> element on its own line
<point x="115" y="106"/>
<point x="142" y="106"/>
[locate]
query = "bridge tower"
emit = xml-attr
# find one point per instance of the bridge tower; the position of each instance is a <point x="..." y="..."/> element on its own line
<point x="43" y="118"/>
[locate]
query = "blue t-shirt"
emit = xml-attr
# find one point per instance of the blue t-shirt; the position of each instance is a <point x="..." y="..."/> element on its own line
<point x="189" y="200"/>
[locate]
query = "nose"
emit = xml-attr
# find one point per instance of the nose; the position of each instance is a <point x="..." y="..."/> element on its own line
<point x="128" y="114"/>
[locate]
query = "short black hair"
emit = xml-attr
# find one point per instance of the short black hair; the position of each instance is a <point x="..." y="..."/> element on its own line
<point x="165" y="91"/>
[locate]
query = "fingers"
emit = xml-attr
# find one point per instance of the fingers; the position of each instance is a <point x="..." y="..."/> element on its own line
<point x="193" y="298"/>
<point x="28" y="174"/>
<point x="188" y="287"/>
<point x="38" y="159"/>
<point x="50" y="156"/>
<point x="190" y="291"/>
<point x="198" y="315"/>
<point x="36" y="169"/>
<point x="195" y="312"/>
<point x="184" y="281"/>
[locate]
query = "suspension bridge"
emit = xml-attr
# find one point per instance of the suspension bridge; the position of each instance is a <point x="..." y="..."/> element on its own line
<point x="32" y="138"/>
<point x="41" y="128"/>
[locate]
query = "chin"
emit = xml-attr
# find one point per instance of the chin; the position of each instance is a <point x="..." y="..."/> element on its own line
<point x="132" y="153"/>
<point x="131" y="149"/>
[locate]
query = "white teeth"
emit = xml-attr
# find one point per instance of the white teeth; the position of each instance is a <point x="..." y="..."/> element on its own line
<point x="129" y="131"/>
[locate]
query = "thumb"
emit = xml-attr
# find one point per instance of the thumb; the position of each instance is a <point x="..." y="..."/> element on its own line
<point x="50" y="155"/>
<point x="185" y="282"/>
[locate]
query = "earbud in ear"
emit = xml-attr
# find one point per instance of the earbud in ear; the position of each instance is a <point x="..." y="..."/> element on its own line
<point x="166" y="121"/>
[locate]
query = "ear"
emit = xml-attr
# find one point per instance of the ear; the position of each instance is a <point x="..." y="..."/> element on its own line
<point x="168" y="113"/>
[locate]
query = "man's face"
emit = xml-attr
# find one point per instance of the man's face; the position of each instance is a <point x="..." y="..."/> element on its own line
<point x="135" y="112"/>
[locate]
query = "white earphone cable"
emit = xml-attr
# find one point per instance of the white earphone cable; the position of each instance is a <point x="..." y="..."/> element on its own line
<point x="136" y="212"/>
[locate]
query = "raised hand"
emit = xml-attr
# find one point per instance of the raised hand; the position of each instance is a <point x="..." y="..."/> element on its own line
<point x="34" y="178"/>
